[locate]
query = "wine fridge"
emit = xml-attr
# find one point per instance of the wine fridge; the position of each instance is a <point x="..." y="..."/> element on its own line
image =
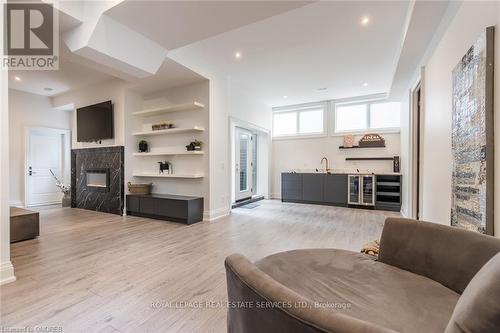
<point x="361" y="190"/>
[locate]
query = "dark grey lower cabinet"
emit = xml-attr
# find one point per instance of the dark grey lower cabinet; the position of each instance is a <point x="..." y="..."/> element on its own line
<point x="335" y="190"/>
<point x="312" y="187"/>
<point x="291" y="186"/>
<point x="176" y="208"/>
<point x="317" y="188"/>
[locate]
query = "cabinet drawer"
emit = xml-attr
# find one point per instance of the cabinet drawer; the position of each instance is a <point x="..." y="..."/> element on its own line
<point x="312" y="187"/>
<point x="335" y="190"/>
<point x="168" y="208"/>
<point x="133" y="204"/>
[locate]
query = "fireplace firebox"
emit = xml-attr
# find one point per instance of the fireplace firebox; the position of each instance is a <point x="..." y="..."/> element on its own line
<point x="97" y="179"/>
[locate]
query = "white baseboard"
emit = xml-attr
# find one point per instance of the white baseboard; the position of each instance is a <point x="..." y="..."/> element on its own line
<point x="7" y="273"/>
<point x="216" y="214"/>
<point x="275" y="196"/>
<point x="16" y="203"/>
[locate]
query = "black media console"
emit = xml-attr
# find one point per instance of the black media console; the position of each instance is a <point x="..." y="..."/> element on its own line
<point x="175" y="208"/>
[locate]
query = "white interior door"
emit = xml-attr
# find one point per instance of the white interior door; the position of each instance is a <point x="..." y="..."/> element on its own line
<point x="243" y="164"/>
<point x="45" y="150"/>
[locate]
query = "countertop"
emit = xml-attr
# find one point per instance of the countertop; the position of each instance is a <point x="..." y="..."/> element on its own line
<point x="346" y="172"/>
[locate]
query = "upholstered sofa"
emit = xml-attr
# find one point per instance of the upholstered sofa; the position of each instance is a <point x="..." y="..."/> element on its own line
<point x="427" y="278"/>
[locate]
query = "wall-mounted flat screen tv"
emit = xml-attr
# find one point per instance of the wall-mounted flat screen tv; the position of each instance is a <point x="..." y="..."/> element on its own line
<point x="95" y="122"/>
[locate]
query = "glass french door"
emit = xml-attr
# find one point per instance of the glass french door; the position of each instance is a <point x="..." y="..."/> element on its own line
<point x="243" y="164"/>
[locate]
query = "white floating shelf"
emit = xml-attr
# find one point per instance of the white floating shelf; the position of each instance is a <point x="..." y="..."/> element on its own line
<point x="172" y="108"/>
<point x="170" y="131"/>
<point x="157" y="175"/>
<point x="170" y="153"/>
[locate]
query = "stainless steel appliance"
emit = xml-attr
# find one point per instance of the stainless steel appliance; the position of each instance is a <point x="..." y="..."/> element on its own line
<point x="361" y="190"/>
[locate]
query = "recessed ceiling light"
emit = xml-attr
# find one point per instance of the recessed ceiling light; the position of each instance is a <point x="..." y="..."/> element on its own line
<point x="237" y="55"/>
<point x="365" y="20"/>
<point x="17" y="78"/>
<point x="48" y="89"/>
<point x="365" y="84"/>
<point x="285" y="97"/>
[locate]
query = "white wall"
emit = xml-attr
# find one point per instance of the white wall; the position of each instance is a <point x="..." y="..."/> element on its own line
<point x="306" y="154"/>
<point x="470" y="20"/>
<point x="6" y="268"/>
<point x="108" y="90"/>
<point x="245" y="105"/>
<point x="29" y="110"/>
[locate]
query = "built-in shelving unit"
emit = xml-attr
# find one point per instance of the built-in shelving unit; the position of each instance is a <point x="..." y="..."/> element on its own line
<point x="170" y="131"/>
<point x="158" y="175"/>
<point x="169" y="153"/>
<point x="171" y="108"/>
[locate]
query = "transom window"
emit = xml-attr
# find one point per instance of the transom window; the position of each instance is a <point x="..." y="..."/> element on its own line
<point x="299" y="121"/>
<point x="358" y="117"/>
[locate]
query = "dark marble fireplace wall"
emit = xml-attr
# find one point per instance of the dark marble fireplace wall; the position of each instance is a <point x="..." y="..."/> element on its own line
<point x="98" y="158"/>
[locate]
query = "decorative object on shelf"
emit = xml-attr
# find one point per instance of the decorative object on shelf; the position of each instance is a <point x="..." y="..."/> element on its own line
<point x="65" y="189"/>
<point x="194" y="145"/>
<point x="348" y="141"/>
<point x="143" y="146"/>
<point x="371" y="140"/>
<point x="162" y="126"/>
<point x="140" y="188"/>
<point x="472" y="137"/>
<point x="396" y="164"/>
<point x="165" y="168"/>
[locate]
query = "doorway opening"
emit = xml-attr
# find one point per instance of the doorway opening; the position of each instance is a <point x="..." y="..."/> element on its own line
<point x="48" y="154"/>
<point x="416" y="118"/>
<point x="250" y="156"/>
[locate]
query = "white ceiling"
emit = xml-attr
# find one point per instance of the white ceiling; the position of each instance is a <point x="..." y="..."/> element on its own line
<point x="321" y="45"/>
<point x="70" y="75"/>
<point x="307" y="51"/>
<point x="173" y="24"/>
<point x="170" y="75"/>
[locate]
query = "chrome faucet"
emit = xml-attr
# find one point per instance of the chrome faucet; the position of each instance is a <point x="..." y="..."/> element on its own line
<point x="325" y="159"/>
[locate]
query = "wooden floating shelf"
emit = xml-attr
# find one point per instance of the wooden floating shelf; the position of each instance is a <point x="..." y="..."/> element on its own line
<point x="369" y="158"/>
<point x="170" y="131"/>
<point x="157" y="175"/>
<point x="172" y="108"/>
<point x="358" y="147"/>
<point x="169" y="153"/>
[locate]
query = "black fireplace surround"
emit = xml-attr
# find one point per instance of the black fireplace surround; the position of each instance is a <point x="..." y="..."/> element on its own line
<point x="97" y="179"/>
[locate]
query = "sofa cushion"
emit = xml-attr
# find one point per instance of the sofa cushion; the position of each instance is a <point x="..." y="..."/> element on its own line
<point x="478" y="309"/>
<point x="361" y="287"/>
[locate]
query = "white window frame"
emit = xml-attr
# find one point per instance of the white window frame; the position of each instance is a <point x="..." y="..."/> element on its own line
<point x="297" y="109"/>
<point x="368" y="129"/>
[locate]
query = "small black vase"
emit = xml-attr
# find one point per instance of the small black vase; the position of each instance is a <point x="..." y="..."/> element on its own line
<point x="143" y="147"/>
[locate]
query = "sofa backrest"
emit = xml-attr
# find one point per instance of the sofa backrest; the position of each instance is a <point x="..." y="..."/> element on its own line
<point x="448" y="255"/>
<point x="478" y="309"/>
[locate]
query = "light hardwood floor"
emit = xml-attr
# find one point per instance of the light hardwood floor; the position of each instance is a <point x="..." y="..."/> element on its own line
<point x="95" y="272"/>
